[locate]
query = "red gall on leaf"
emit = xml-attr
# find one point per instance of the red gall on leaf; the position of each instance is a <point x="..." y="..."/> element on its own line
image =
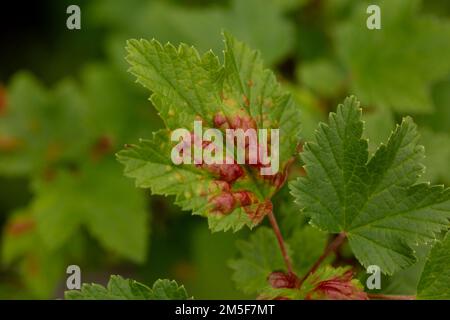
<point x="279" y="279"/>
<point x="243" y="122"/>
<point x="227" y="201"/>
<point x="219" y="120"/>
<point x="245" y="198"/>
<point x="225" y="172"/>
<point x="258" y="214"/>
<point x="342" y="287"/>
<point x="216" y="185"/>
<point x="224" y="203"/>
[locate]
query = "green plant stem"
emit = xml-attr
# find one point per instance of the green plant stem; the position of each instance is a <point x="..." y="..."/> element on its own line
<point x="333" y="246"/>
<point x="276" y="230"/>
<point x="389" y="297"/>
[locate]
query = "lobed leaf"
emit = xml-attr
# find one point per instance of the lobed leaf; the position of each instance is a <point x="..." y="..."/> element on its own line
<point x="239" y="94"/>
<point x="375" y="201"/>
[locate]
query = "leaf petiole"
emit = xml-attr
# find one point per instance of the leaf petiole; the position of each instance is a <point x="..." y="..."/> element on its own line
<point x="276" y="230"/>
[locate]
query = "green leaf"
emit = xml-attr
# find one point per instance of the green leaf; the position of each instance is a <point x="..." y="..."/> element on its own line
<point x="322" y="76"/>
<point x="188" y="88"/>
<point x="113" y="213"/>
<point x="38" y="126"/>
<point x="107" y="92"/>
<point x="434" y="282"/>
<point x="374" y="201"/>
<point x="23" y="250"/>
<point x="119" y="288"/>
<point x="396" y="65"/>
<point x="259" y="257"/>
<point x="201" y="27"/>
<point x="307" y="245"/>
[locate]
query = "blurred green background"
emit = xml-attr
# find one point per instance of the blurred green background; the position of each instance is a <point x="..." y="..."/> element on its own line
<point x="67" y="105"/>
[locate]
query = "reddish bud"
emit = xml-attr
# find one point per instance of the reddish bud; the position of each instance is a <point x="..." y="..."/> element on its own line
<point x="219" y="120"/>
<point x="244" y="122"/>
<point x="245" y="198"/>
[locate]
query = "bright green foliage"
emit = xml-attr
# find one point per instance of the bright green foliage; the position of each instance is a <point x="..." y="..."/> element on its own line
<point x="435" y="278"/>
<point x="119" y="288"/>
<point x="374" y="201"/>
<point x="188" y="87"/>
<point x="396" y="65"/>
